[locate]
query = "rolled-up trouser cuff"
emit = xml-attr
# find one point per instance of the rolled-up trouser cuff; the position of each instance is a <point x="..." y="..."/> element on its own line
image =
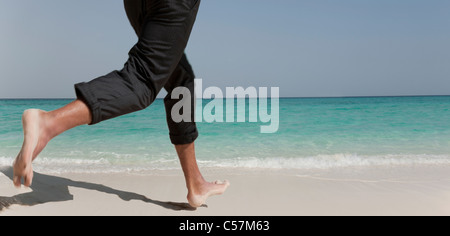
<point x="184" y="139"/>
<point x="85" y="94"/>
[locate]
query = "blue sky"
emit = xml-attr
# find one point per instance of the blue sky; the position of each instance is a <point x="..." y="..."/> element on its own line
<point x="307" y="48"/>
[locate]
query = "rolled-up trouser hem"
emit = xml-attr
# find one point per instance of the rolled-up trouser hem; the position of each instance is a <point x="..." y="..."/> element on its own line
<point x="184" y="139"/>
<point x="85" y="94"/>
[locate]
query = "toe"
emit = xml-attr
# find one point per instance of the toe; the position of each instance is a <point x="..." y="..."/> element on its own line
<point x="28" y="180"/>
<point x="16" y="181"/>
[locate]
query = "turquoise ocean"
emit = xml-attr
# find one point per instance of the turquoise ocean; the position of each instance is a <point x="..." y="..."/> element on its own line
<point x="314" y="133"/>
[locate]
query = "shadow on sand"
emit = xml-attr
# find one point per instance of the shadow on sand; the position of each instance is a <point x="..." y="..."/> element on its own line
<point x="47" y="188"/>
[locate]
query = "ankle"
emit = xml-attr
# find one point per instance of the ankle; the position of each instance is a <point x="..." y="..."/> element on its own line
<point x="194" y="185"/>
<point x="48" y="125"/>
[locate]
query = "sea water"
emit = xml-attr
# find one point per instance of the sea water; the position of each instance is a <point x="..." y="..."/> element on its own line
<point x="314" y="133"/>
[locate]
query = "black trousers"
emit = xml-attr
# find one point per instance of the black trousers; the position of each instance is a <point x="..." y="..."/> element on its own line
<point x="157" y="61"/>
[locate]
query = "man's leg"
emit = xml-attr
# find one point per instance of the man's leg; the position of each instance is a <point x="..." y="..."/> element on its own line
<point x="39" y="128"/>
<point x="183" y="134"/>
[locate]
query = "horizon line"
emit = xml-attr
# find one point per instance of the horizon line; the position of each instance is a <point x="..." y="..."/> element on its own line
<point x="281" y="97"/>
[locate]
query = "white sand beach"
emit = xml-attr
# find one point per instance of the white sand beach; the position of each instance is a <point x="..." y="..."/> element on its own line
<point x="380" y="190"/>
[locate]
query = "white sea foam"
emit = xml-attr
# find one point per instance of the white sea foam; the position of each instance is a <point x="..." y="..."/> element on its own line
<point x="328" y="161"/>
<point x="105" y="165"/>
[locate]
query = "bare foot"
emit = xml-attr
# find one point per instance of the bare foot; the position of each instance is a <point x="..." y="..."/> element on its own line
<point x="197" y="198"/>
<point x="35" y="140"/>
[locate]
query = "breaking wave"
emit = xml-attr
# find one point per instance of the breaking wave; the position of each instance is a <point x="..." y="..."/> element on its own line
<point x="129" y="164"/>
